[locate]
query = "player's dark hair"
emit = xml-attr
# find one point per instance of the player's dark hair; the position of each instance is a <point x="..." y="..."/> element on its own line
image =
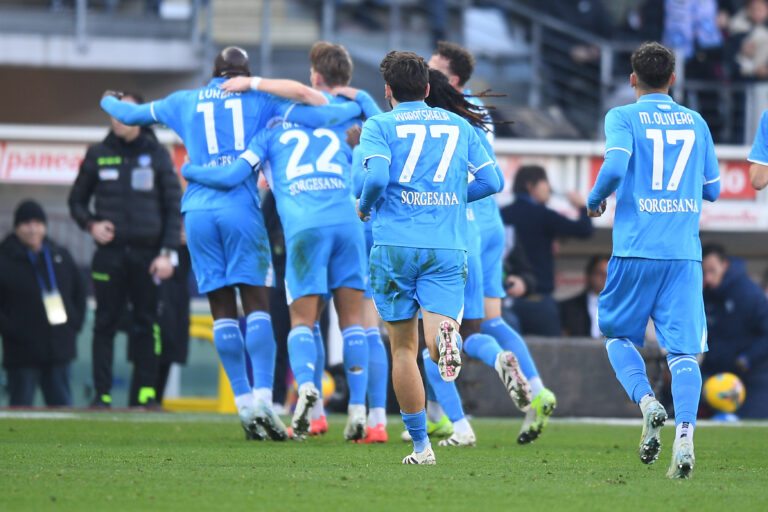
<point x="716" y="249"/>
<point x="528" y="175"/>
<point x="443" y="95"/>
<point x="333" y="63"/>
<point x="407" y="74"/>
<point x="460" y="60"/>
<point x="137" y="97"/>
<point x="230" y="62"/>
<point x="594" y="261"/>
<point x="653" y="64"/>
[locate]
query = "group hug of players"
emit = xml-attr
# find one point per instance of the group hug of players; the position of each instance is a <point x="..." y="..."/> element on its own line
<point x="428" y="252"/>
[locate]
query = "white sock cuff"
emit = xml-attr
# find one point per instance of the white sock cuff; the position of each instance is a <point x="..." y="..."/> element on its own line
<point x="225" y="322"/>
<point x="301" y="329"/>
<point x="353" y="330"/>
<point x="258" y="315"/>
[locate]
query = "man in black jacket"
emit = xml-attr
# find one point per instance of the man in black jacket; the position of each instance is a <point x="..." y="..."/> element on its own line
<point x="42" y="306"/>
<point x="578" y="315"/>
<point x="737" y="327"/>
<point x="136" y="225"/>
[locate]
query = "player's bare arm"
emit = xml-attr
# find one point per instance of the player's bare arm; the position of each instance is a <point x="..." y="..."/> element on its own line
<point x="758" y="176"/>
<point x="285" y="88"/>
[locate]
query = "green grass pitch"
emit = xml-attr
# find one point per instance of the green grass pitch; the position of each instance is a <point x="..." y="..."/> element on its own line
<point x="189" y="462"/>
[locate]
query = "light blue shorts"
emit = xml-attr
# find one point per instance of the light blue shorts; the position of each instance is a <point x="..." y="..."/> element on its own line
<point x="406" y="278"/>
<point x="228" y="246"/>
<point x="668" y="291"/>
<point x="492" y="241"/>
<point x="322" y="259"/>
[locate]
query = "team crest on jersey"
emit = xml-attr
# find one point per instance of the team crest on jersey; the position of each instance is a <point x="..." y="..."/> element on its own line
<point x="145" y="160"/>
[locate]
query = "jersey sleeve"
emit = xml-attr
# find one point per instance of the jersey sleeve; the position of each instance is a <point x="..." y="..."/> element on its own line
<point x="323" y="115"/>
<point x="711" y="165"/>
<point x="373" y="142"/>
<point x="258" y="149"/>
<point x="127" y="113"/>
<point x="618" y="132"/>
<point x="166" y="110"/>
<point x="759" y="152"/>
<point x="478" y="157"/>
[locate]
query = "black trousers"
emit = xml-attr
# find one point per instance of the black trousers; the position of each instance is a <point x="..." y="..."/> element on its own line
<point x="120" y="275"/>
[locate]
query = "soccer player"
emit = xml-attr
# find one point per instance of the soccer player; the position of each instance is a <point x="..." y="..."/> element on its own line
<point x="225" y="230"/>
<point x="458" y="64"/>
<point x="330" y="71"/>
<point x="660" y="160"/>
<point x="416" y="159"/>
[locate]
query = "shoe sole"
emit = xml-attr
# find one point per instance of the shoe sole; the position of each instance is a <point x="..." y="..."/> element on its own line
<point x="449" y="362"/>
<point x="650" y="447"/>
<point x="273" y="426"/>
<point x="684" y="467"/>
<point x="514" y="381"/>
<point x="357" y="434"/>
<point x="411" y="459"/>
<point x="301" y="422"/>
<point x="533" y="433"/>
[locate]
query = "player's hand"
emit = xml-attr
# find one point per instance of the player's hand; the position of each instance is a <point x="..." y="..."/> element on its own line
<point x="103" y="232"/>
<point x="363" y="216"/>
<point x="161" y="268"/>
<point x="353" y="135"/>
<point x="600" y="210"/>
<point x="515" y="286"/>
<point x="237" y="84"/>
<point x="345" y="91"/>
<point x="576" y="199"/>
<point x="109" y="92"/>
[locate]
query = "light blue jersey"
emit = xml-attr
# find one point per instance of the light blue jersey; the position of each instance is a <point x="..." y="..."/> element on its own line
<point x="429" y="151"/>
<point x="309" y="173"/>
<point x="759" y="152"/>
<point x="658" y="201"/>
<point x="216" y="126"/>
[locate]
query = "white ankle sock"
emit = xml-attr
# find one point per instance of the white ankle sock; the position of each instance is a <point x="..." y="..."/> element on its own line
<point x="264" y="394"/>
<point x="684" y="429"/>
<point x="356" y="409"/>
<point x="318" y="411"/>
<point x="244" y="401"/>
<point x="434" y="411"/>
<point x="461" y="426"/>
<point x="377" y="415"/>
<point x="536" y="386"/>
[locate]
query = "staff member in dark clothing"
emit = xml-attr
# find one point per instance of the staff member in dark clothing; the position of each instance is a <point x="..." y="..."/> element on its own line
<point x="42" y="306"/>
<point x="135" y="224"/>
<point x="536" y="227"/>
<point x="737" y="327"/>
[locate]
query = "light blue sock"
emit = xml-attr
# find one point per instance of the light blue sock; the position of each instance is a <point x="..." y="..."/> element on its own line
<point x="378" y="369"/>
<point x="686" y="387"/>
<point x="356" y="363"/>
<point x="482" y="347"/>
<point x="446" y="392"/>
<point x="261" y="347"/>
<point x="320" y="359"/>
<point x="301" y="353"/>
<point x="509" y="339"/>
<point x="229" y="344"/>
<point x="629" y="367"/>
<point x="417" y="427"/>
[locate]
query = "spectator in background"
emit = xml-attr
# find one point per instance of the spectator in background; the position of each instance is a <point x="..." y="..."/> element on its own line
<point x="42" y="307"/>
<point x="519" y="280"/>
<point x="135" y="225"/>
<point x="737" y="325"/>
<point x="578" y="315"/>
<point x="748" y="30"/>
<point x="690" y="25"/>
<point x="536" y="227"/>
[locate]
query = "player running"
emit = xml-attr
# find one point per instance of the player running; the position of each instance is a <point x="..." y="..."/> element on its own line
<point x="458" y="64"/>
<point x="660" y="160"/>
<point x="416" y="159"/>
<point x="225" y="229"/>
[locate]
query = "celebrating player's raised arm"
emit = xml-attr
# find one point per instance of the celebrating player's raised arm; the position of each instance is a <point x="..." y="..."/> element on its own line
<point x="284" y="88"/>
<point x="128" y="113"/>
<point x="322" y="116"/>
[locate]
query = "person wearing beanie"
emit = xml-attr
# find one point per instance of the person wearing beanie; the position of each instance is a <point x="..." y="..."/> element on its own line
<point x="42" y="307"/>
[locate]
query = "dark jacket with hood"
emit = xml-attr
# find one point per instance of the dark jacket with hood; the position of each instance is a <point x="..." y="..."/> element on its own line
<point x="737" y="322"/>
<point x="28" y="338"/>
<point x="134" y="186"/>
